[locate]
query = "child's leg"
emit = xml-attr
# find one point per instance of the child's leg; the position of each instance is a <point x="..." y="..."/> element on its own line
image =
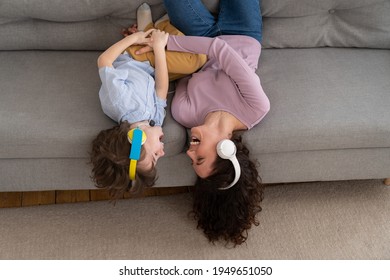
<point x="192" y="17"/>
<point x="237" y="17"/>
<point x="183" y="64"/>
<point x="144" y="23"/>
<point x="168" y="27"/>
<point x="144" y="17"/>
<point x="162" y="19"/>
<point x="180" y="64"/>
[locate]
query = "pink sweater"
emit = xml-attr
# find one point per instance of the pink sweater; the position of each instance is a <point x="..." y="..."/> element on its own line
<point x="227" y="82"/>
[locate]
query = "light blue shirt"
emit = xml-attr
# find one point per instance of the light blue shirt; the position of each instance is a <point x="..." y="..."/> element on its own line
<point x="128" y="92"/>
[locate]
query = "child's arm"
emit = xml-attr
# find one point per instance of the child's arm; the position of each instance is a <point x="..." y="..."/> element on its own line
<point x="108" y="57"/>
<point x="159" y="41"/>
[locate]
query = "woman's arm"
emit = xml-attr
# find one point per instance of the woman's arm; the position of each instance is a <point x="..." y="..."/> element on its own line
<point x="230" y="62"/>
<point x="109" y="56"/>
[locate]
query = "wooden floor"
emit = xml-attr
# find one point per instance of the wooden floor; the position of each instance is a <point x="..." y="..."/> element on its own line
<point x="22" y="199"/>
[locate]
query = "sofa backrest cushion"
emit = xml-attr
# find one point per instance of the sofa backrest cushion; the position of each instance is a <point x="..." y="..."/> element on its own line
<point x="326" y="23"/>
<point x="67" y="25"/>
<point x="95" y="25"/>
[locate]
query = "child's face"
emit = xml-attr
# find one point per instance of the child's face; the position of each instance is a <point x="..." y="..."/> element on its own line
<point x="154" y="147"/>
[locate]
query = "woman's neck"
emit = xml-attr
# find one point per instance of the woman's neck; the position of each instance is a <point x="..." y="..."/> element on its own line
<point x="223" y="122"/>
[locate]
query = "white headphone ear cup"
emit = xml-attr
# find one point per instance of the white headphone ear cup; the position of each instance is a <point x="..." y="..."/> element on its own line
<point x="226" y="149"/>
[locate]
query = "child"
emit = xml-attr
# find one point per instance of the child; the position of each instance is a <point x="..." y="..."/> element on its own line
<point x="134" y="94"/>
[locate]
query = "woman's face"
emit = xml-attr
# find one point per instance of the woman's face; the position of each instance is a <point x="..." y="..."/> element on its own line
<point x="203" y="150"/>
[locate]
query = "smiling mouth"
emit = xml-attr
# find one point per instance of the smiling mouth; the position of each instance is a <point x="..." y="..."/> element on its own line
<point x="194" y="141"/>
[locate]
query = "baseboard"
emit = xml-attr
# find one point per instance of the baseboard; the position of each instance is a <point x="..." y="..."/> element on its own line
<point x="35" y="198"/>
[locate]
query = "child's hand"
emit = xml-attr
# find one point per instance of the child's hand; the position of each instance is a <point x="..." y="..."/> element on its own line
<point x="159" y="39"/>
<point x="142" y="38"/>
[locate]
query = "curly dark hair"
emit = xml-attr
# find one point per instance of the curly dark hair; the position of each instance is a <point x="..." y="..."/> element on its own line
<point x="229" y="214"/>
<point x="110" y="161"/>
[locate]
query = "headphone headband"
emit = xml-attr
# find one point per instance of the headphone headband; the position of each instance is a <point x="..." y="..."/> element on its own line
<point x="226" y="149"/>
<point x="137" y="138"/>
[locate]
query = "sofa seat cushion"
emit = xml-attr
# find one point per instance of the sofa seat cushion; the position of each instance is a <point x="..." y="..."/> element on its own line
<point x="324" y="99"/>
<point x="49" y="106"/>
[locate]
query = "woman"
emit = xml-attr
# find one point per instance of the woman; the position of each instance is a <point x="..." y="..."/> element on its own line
<point x="224" y="97"/>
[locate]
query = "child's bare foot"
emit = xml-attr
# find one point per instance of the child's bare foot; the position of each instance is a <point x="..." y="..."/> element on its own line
<point x="144" y="16"/>
<point x="132" y="29"/>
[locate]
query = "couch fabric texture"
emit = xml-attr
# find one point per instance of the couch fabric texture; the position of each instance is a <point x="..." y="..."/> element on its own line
<point x="325" y="66"/>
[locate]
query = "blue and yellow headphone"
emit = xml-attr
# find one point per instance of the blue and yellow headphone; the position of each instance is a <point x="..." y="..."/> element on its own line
<point x="137" y="138"/>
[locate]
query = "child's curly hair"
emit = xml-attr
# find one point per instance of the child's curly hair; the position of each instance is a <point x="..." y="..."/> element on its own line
<point x="229" y="214"/>
<point x="110" y="161"/>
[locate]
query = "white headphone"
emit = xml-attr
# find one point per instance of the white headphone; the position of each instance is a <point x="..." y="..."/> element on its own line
<point x="226" y="149"/>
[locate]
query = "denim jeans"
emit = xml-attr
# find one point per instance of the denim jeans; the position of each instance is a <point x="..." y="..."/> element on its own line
<point x="235" y="17"/>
